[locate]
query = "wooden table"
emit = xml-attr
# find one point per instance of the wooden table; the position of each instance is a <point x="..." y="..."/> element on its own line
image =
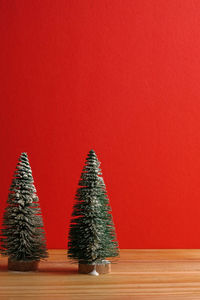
<point x="139" y="274"/>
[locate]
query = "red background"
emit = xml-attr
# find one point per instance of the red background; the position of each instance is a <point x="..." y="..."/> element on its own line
<point x="123" y="78"/>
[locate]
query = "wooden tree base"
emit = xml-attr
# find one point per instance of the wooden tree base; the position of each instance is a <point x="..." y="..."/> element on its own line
<point x="100" y="268"/>
<point x="23" y="266"/>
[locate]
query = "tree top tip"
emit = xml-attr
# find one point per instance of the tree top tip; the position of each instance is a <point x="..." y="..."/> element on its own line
<point x="24" y="154"/>
<point x="92" y="151"/>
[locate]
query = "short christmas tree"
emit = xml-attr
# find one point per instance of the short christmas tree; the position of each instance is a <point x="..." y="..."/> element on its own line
<point x="22" y="237"/>
<point x="92" y="236"/>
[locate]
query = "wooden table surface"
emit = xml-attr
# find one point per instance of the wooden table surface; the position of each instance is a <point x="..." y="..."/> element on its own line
<point x="138" y="274"/>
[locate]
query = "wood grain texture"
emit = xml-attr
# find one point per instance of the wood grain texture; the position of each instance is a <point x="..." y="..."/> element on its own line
<point x="138" y="274"/>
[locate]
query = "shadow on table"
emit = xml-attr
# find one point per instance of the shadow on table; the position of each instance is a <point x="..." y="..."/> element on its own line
<point x="3" y="265"/>
<point x="48" y="266"/>
<point x="60" y="267"/>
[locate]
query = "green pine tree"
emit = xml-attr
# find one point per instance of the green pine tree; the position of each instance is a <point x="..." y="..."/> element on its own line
<point x="22" y="236"/>
<point x="92" y="235"/>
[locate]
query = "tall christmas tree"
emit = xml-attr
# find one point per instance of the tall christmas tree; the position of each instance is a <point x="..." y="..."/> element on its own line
<point x="22" y="236"/>
<point x="92" y="236"/>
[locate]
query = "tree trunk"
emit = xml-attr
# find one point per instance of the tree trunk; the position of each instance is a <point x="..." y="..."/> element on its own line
<point x="103" y="268"/>
<point x="23" y="266"/>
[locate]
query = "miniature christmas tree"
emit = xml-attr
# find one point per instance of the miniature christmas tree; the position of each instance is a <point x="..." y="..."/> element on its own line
<point x="92" y="236"/>
<point x="22" y="237"/>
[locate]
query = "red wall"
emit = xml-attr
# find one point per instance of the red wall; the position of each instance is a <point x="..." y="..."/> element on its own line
<point x="122" y="77"/>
